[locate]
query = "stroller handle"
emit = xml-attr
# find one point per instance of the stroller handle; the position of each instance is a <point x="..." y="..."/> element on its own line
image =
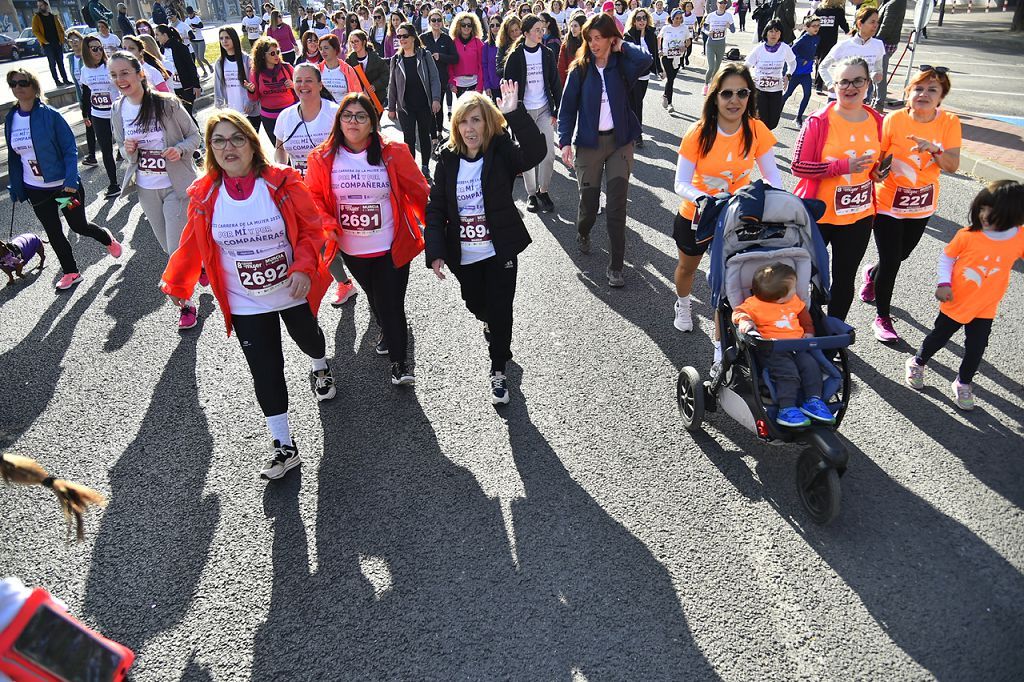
<point x="769" y="346"/>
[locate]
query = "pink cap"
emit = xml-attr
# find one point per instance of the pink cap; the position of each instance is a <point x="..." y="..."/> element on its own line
<point x="608" y="6"/>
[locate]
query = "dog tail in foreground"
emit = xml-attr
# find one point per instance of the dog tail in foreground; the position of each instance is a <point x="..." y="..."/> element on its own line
<point x="74" y="498"/>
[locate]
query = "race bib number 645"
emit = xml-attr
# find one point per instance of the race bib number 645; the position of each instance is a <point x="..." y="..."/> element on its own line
<point x="853" y="198"/>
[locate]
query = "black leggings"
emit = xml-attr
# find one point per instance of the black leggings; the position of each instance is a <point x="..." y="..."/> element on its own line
<point x="44" y="203"/>
<point x="255" y="122"/>
<point x="488" y="288"/>
<point x="268" y="128"/>
<point x="260" y="338"/>
<point x="849" y="242"/>
<point x="976" y="333"/>
<point x="413" y="121"/>
<point x="105" y="136"/>
<point x="188" y="99"/>
<point x="769" y="108"/>
<point x="896" y="239"/>
<point x="385" y="287"/>
<point x="670" y="76"/>
<point x="636" y="100"/>
<point x="90" y="140"/>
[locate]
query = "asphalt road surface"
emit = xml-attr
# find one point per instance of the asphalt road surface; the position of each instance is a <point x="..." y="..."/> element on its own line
<point x="577" y="534"/>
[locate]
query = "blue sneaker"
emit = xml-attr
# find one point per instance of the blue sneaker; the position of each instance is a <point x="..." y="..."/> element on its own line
<point x="818" y="411"/>
<point x="792" y="416"/>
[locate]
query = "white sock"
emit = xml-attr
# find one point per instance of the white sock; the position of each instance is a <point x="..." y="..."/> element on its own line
<point x="683" y="300"/>
<point x="319" y="363"/>
<point x="718" y="352"/>
<point x="279" y="431"/>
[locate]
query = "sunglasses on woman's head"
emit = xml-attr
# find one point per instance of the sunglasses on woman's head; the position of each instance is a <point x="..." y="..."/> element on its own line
<point x="936" y="69"/>
<point x="742" y="93"/>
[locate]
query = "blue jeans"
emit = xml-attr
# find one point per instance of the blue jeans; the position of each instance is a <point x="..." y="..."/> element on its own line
<point x="803" y="79"/>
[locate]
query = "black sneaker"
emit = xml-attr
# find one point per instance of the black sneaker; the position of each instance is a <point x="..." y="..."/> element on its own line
<point x="322" y="383"/>
<point x="112" y="192"/>
<point x="499" y="389"/>
<point x="546" y="205"/>
<point x="584" y="242"/>
<point x="90" y="161"/>
<point x="400" y="375"/>
<point x="532" y="204"/>
<point x="382" y="346"/>
<point x="285" y="457"/>
<point x="426" y="172"/>
<point x="640" y="143"/>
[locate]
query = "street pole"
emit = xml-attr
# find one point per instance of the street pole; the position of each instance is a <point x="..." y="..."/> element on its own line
<point x="942" y="10"/>
<point x="922" y="14"/>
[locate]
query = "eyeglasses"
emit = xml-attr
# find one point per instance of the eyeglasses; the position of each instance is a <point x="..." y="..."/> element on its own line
<point x="359" y="117"/>
<point x="495" y="25"/>
<point x="936" y="69"/>
<point x="19" y="84"/>
<point x="378" y="16"/>
<point x="858" y="82"/>
<point x="742" y="93"/>
<point x="274" y="53"/>
<point x="236" y="141"/>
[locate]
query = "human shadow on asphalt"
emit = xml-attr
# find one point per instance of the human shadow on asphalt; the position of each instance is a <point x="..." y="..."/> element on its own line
<point x="939" y="592"/>
<point x="415" y="576"/>
<point x="986" y="447"/>
<point x="136" y="293"/>
<point x="646" y="301"/>
<point x="42" y="353"/>
<point x="156" y="533"/>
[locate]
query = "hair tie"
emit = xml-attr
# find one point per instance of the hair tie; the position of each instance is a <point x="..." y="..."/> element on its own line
<point x="48" y="482"/>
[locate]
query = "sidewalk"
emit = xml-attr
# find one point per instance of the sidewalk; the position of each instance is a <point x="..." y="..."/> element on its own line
<point x="992" y="149"/>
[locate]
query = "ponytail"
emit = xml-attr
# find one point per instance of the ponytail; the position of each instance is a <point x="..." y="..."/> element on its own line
<point x="74" y="498"/>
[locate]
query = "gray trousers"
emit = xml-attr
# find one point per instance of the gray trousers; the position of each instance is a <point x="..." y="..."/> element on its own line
<point x="791" y="372"/>
<point x="538" y="178"/>
<point x="714" y="50"/>
<point x="167" y="213"/>
<point x="883" y="85"/>
<point x="591" y="164"/>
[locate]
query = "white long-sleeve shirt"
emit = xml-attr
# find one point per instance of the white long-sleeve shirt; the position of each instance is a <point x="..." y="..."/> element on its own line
<point x="685" y="169"/>
<point x="871" y="50"/>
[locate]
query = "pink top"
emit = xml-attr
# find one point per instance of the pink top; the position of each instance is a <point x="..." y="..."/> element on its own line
<point x="284" y="35"/>
<point x="272" y="89"/>
<point x="471" y="62"/>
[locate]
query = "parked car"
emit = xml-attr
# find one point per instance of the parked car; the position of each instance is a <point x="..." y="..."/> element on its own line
<point x="28" y="44"/>
<point x="8" y="48"/>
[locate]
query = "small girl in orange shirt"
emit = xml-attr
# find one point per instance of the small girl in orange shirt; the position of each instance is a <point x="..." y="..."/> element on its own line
<point x="776" y="312"/>
<point x="974" y="273"/>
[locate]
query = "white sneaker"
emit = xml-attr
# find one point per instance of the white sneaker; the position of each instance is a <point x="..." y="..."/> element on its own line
<point x="684" y="316"/>
<point x="286" y="457"/>
<point x="499" y="389"/>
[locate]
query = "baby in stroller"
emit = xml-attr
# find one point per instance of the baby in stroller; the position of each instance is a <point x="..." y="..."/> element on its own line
<point x="774" y="311"/>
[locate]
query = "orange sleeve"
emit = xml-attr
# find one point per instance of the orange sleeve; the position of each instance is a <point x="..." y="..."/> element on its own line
<point x="318" y="179"/>
<point x="306" y="251"/>
<point x="956" y="246"/>
<point x="689" y="147"/>
<point x="953" y="134"/>
<point x="886" y="141"/>
<point x="764" y="139"/>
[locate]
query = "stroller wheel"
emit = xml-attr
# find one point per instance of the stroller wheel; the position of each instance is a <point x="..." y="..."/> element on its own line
<point x="818" y="487"/>
<point x="690" y="398"/>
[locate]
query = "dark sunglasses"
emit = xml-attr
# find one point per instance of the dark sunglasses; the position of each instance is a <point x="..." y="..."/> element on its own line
<point x="96" y="48"/>
<point x="936" y="69"/>
<point x="378" y="16"/>
<point x="742" y="93"/>
<point x="402" y="36"/>
<point x="19" y="84"/>
<point x="435" y="20"/>
<point x="274" y="52"/>
<point x="466" y="24"/>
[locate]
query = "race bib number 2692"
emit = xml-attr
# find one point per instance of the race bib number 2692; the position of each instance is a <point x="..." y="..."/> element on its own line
<point x="260" y="277"/>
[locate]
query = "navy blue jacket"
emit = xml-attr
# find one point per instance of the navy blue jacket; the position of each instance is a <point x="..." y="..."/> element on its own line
<point x="580" y="109"/>
<point x="55" y="147"/>
<point x="805" y="49"/>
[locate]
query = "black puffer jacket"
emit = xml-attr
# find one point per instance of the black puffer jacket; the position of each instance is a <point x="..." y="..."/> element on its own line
<point x="503" y="161"/>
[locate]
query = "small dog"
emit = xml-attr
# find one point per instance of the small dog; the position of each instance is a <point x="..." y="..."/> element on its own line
<point x="15" y="254"/>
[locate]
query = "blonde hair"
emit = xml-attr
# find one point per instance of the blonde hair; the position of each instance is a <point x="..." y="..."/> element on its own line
<point x="494" y="121"/>
<point x="478" y="29"/>
<point x="259" y="157"/>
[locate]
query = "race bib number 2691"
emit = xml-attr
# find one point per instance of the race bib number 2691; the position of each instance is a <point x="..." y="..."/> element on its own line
<point x="361" y="219"/>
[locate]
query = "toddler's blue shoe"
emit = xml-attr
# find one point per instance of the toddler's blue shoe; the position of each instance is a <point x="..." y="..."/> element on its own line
<point x="818" y="411"/>
<point x="791" y="416"/>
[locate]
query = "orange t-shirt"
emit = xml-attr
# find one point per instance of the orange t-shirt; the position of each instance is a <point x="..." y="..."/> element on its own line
<point x="981" y="273"/>
<point x="848" y="197"/>
<point x="911" y="190"/>
<point x="774" y="320"/>
<point x="724" y="168"/>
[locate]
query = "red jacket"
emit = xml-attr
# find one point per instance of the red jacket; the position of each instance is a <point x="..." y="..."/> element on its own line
<point x="807" y="162"/>
<point x="409" y="191"/>
<point x="302" y="225"/>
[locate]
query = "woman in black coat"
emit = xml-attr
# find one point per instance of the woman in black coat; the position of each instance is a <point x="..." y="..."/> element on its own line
<point x="184" y="76"/>
<point x="641" y="33"/>
<point x="473" y="224"/>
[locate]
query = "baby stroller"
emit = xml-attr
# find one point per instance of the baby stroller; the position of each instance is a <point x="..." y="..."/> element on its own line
<point x="787" y="233"/>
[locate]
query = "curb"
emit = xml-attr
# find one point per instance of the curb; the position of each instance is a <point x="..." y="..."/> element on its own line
<point x="987" y="171"/>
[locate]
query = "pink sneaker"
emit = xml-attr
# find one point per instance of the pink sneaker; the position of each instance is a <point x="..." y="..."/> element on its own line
<point x="342" y="293"/>
<point x="204" y="279"/>
<point x="188" y="319"/>
<point x="867" y="290"/>
<point x="884" y="330"/>
<point x="114" y="247"/>
<point x="69" y="280"/>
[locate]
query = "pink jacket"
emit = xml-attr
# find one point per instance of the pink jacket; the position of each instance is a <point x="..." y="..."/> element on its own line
<point x="807" y="162"/>
<point x="471" y="62"/>
<point x="284" y="35"/>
